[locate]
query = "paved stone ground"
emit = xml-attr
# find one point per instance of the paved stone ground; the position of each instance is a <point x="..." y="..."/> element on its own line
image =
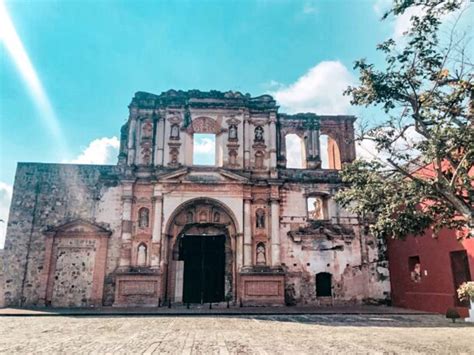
<point x="217" y="309"/>
<point x="266" y="334"/>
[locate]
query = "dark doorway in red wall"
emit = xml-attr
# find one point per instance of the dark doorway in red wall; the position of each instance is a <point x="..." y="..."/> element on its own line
<point x="460" y="268"/>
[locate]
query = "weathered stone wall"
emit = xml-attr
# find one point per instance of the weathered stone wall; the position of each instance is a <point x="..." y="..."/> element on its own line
<point x="2" y="298"/>
<point x="49" y="195"/>
<point x="359" y="272"/>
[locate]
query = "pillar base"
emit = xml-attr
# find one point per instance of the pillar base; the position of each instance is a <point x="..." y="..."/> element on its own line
<point x="137" y="289"/>
<point x="262" y="286"/>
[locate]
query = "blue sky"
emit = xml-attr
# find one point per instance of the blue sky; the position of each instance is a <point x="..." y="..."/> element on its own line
<point x="91" y="56"/>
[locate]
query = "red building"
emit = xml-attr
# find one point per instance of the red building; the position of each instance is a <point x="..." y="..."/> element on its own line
<point x="425" y="271"/>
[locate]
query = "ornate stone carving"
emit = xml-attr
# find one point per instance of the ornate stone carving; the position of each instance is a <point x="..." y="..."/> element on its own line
<point x="204" y="125"/>
<point x="147" y="130"/>
<point x="146" y="153"/>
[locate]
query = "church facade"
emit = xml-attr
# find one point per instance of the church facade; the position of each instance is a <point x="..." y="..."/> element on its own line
<point x="159" y="229"/>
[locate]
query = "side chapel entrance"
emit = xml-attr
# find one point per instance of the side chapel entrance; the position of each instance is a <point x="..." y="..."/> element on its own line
<point x="201" y="264"/>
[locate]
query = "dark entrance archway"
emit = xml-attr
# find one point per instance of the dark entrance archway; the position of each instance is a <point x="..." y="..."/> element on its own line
<point x="204" y="268"/>
<point x="201" y="265"/>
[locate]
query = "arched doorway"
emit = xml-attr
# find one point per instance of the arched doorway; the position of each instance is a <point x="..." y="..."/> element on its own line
<point x="201" y="261"/>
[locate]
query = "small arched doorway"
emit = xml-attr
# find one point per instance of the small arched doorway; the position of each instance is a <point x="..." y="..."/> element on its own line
<point x="201" y="262"/>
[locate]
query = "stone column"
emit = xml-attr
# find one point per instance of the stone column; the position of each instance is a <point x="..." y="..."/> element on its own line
<point x="157" y="225"/>
<point x="275" y="224"/>
<point x="127" y="200"/>
<point x="273" y="140"/>
<point x="247" y="141"/>
<point x="316" y="148"/>
<point x="159" y="141"/>
<point x="131" y="141"/>
<point x="238" y="250"/>
<point x="247" y="233"/>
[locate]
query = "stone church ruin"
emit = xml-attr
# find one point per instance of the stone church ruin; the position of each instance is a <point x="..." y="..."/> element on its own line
<point x="156" y="228"/>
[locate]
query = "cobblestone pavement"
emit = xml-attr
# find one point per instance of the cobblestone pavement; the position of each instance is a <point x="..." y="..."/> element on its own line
<point x="267" y="334"/>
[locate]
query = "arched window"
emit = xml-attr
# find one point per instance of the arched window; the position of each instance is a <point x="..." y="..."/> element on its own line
<point x="295" y="152"/>
<point x="329" y="152"/>
<point x="260" y="218"/>
<point x="141" y="254"/>
<point x="143" y="217"/>
<point x="323" y="284"/>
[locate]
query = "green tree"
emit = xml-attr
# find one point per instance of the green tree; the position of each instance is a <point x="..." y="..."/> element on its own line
<point x="423" y="172"/>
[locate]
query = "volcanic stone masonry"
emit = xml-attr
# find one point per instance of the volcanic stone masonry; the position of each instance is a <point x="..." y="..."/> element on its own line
<point x="156" y="228"/>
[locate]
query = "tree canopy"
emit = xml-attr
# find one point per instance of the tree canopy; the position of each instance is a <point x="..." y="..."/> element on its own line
<point x="422" y="174"/>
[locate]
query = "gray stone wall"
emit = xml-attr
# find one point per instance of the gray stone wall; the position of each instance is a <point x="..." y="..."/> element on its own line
<point x="47" y="195"/>
<point x="2" y="301"/>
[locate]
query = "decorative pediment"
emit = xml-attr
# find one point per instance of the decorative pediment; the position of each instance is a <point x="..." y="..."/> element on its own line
<point x="78" y="227"/>
<point x="203" y="176"/>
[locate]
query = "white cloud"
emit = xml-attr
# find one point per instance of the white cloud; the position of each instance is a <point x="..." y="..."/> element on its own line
<point x="294" y="153"/>
<point x="319" y="90"/>
<point x="402" y="23"/>
<point x="99" y="151"/>
<point x="309" y="8"/>
<point x="381" y="6"/>
<point x="367" y="150"/>
<point x="5" y="199"/>
<point x="204" y="146"/>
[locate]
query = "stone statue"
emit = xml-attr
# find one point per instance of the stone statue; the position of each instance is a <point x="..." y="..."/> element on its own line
<point x="261" y="258"/>
<point x="141" y="255"/>
<point x="143" y="217"/>
<point x="174" y="131"/>
<point x="259" y="134"/>
<point x="260" y="219"/>
<point x="317" y="212"/>
<point x="233" y="132"/>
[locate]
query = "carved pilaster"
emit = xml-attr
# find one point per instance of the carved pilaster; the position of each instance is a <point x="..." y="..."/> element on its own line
<point x="275" y="226"/>
<point x="157" y="227"/>
<point x="247" y="233"/>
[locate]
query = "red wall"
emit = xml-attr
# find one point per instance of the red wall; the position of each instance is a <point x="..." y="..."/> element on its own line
<point x="435" y="292"/>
